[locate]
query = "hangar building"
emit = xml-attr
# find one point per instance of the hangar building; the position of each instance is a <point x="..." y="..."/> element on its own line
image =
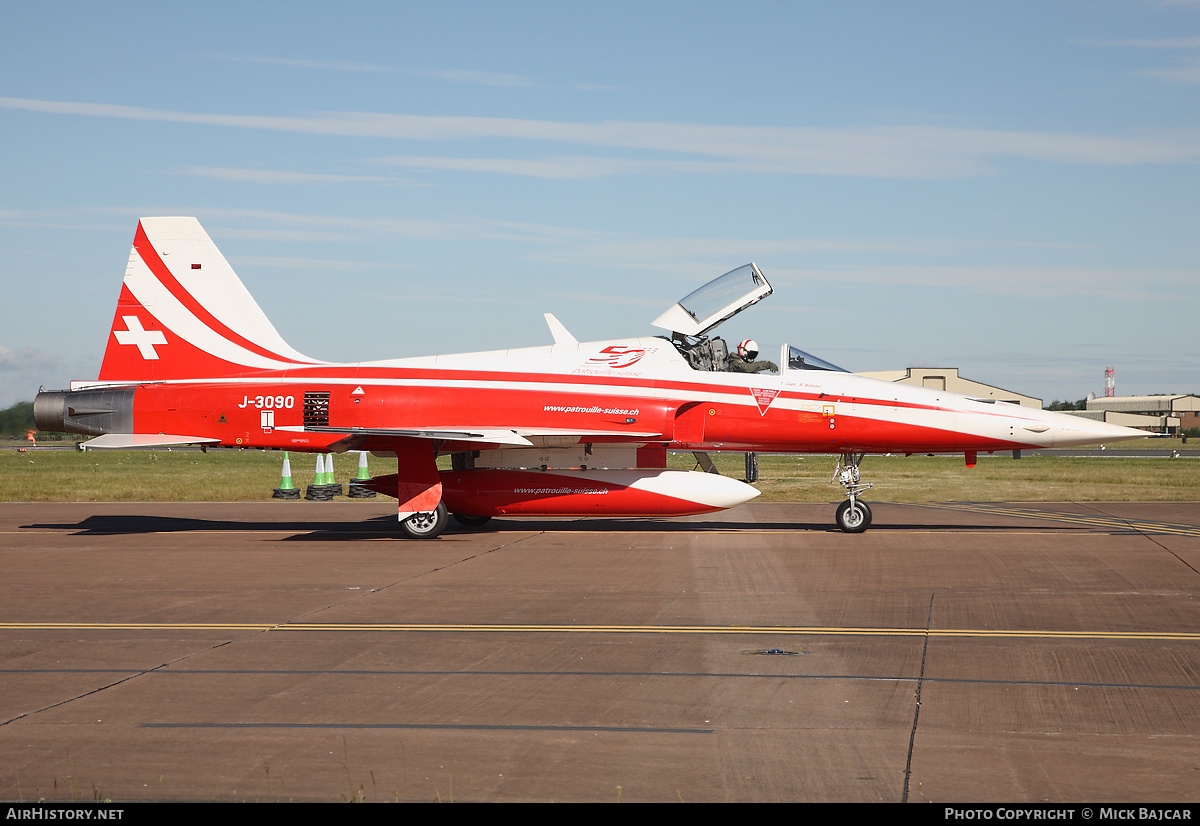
<point x="947" y="378"/>
<point x="1158" y="414"/>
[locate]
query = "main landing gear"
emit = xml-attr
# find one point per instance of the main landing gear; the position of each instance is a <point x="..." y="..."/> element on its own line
<point x="853" y="515"/>
<point x="426" y="525"/>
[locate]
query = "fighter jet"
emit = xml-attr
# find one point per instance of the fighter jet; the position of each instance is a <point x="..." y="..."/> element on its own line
<point x="570" y="429"/>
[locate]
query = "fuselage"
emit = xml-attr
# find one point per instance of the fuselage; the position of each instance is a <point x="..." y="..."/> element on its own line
<point x="637" y="390"/>
<point x="570" y="429"/>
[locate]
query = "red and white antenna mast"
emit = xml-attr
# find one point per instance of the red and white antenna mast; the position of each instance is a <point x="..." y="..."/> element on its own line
<point x="1110" y="382"/>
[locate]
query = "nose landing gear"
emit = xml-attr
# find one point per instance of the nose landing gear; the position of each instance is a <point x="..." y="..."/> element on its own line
<point x="853" y="515"/>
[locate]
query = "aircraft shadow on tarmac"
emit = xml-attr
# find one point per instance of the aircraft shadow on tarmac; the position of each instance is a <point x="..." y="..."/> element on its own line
<point x="385" y="526"/>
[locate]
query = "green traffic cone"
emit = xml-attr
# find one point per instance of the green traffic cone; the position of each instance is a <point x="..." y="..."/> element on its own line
<point x="356" y="489"/>
<point x="329" y="484"/>
<point x="317" y="490"/>
<point x="286" y="489"/>
<point x="285" y="483"/>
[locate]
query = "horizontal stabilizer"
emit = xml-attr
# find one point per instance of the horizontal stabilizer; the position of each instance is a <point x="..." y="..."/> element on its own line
<point x="120" y="441"/>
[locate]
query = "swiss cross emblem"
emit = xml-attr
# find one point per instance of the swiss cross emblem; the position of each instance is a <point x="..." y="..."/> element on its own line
<point x="763" y="398"/>
<point x="139" y="337"/>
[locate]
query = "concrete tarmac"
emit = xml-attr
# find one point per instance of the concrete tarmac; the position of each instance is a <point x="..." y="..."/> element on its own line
<point x="299" y="651"/>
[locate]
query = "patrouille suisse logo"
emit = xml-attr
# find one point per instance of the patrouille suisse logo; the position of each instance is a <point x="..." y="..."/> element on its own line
<point x="763" y="397"/>
<point x="618" y="356"/>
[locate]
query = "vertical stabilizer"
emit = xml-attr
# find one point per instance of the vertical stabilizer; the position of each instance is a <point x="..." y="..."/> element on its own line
<point x="183" y="313"/>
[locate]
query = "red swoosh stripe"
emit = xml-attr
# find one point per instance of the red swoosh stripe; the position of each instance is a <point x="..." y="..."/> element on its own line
<point x="150" y="255"/>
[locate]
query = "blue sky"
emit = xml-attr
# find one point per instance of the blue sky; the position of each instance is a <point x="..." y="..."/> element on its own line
<point x="1012" y="189"/>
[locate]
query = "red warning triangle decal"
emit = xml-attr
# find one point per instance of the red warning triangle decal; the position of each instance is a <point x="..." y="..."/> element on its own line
<point x="763" y="398"/>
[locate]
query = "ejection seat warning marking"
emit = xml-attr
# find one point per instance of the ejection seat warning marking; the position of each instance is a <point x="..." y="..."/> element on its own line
<point x="763" y="397"/>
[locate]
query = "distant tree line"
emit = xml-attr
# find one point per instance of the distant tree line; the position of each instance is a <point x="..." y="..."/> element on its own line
<point x="17" y="420"/>
<point x="1057" y="405"/>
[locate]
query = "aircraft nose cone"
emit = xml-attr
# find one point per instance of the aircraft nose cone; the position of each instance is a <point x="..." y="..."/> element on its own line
<point x="1115" y="432"/>
<point x="1076" y="430"/>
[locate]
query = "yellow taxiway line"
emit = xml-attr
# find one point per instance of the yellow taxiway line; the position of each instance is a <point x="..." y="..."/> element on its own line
<point x="758" y="630"/>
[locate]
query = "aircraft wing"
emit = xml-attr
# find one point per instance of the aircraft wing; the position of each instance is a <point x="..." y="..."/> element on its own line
<point x="519" y="436"/>
<point x="487" y="435"/>
<point x="587" y="435"/>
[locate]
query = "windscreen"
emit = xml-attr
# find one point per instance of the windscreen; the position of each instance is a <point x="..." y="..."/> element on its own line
<point x="800" y="360"/>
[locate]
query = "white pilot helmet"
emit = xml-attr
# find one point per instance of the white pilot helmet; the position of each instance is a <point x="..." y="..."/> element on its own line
<point x="748" y="349"/>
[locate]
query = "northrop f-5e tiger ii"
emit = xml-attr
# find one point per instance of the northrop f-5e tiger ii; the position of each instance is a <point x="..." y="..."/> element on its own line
<point x="570" y="429"/>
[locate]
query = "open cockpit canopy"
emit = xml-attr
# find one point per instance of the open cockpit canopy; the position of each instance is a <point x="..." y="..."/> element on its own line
<point x="717" y="301"/>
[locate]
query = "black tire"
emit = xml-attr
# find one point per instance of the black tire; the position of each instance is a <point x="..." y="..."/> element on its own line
<point x="355" y="490"/>
<point x="853" y="521"/>
<point x="471" y="521"/>
<point x="318" y="493"/>
<point x="426" y="525"/>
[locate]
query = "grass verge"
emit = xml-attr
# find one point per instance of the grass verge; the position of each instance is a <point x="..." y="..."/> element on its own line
<point x="251" y="475"/>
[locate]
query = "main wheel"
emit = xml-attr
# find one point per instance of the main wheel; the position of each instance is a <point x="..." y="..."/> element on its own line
<point x="426" y="525"/>
<point x="471" y="521"/>
<point x="853" y="519"/>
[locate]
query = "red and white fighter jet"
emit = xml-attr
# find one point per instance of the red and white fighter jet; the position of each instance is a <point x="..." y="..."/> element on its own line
<point x="572" y="429"/>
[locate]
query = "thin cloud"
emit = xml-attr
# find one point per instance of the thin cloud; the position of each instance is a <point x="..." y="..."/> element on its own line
<point x="501" y="79"/>
<point x="1030" y="282"/>
<point x="320" y="264"/>
<point x="1188" y="74"/>
<point x="682" y="254"/>
<point x="560" y="167"/>
<point x="22" y="371"/>
<point x="347" y="230"/>
<point x="268" y="176"/>
<point x="27" y="358"/>
<point x="300" y="63"/>
<point x="919" y="152"/>
<point x="1154" y="43"/>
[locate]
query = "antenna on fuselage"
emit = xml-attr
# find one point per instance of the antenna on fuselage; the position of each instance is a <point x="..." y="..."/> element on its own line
<point x="561" y="336"/>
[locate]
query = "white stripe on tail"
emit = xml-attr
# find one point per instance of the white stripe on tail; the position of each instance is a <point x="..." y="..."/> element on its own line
<point x="183" y="312"/>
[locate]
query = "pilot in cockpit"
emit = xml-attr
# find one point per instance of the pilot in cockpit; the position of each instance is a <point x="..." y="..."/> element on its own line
<point x="743" y="361"/>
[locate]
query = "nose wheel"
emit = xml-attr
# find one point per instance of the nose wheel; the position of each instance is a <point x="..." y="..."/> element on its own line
<point x="853" y="515"/>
